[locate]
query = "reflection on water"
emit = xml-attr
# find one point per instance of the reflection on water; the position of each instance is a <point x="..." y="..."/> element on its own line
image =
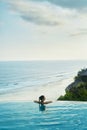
<point x="42" y="107"/>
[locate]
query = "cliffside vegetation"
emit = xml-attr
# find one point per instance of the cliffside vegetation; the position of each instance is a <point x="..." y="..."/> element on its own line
<point x="77" y="91"/>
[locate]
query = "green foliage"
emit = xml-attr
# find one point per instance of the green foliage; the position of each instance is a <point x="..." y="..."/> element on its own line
<point x="81" y="78"/>
<point x="79" y="93"/>
<point x="67" y="96"/>
<point x="82" y="71"/>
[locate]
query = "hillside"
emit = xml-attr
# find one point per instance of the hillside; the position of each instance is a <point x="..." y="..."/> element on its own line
<point x="77" y="91"/>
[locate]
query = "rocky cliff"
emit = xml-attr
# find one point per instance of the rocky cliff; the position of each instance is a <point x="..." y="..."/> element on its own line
<point x="77" y="91"/>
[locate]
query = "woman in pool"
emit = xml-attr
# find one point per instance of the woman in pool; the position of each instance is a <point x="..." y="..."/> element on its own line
<point x="42" y="100"/>
<point x="41" y="103"/>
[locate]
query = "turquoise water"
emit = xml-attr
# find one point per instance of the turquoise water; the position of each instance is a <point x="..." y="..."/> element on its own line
<point x="57" y="116"/>
<point x="23" y="82"/>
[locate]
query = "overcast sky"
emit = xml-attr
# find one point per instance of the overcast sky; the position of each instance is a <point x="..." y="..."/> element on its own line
<point x="43" y="29"/>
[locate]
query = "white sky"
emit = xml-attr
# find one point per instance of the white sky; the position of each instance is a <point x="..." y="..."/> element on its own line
<point x="43" y="30"/>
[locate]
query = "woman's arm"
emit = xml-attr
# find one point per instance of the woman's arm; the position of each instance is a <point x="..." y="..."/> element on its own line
<point x="36" y="101"/>
<point x="47" y="102"/>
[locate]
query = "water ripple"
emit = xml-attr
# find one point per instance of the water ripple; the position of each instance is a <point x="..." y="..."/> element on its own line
<point x="58" y="116"/>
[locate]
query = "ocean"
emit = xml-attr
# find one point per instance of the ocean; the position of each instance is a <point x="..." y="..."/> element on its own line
<point x="27" y="80"/>
<point x="21" y="82"/>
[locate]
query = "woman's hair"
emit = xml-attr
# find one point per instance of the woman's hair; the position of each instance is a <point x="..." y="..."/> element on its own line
<point x="41" y="98"/>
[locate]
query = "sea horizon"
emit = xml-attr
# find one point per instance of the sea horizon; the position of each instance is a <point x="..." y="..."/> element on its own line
<point x="20" y="78"/>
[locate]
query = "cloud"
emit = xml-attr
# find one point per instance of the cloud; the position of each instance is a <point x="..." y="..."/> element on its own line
<point x="42" y="13"/>
<point x="80" y="32"/>
<point x="50" y="17"/>
<point x="77" y="4"/>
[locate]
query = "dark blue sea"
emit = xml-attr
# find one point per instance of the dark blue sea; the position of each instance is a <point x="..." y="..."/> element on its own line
<point x="21" y="82"/>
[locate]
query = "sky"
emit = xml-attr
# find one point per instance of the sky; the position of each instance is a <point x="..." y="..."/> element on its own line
<point x="43" y="30"/>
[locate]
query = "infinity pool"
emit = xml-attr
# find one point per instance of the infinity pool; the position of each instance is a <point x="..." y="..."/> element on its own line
<point x="55" y="116"/>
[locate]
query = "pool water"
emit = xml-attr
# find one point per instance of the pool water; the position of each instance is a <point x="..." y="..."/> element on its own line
<point x="55" y="116"/>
